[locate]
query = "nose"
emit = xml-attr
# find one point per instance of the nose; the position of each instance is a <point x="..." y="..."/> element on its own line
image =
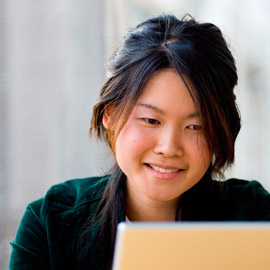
<point x="169" y="143"/>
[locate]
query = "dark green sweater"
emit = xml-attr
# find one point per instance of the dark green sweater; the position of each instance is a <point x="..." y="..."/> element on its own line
<point x="47" y="237"/>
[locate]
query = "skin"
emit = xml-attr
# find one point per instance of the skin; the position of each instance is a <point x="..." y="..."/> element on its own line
<point x="161" y="148"/>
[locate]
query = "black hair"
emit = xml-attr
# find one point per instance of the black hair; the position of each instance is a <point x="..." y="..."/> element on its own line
<point x="199" y="54"/>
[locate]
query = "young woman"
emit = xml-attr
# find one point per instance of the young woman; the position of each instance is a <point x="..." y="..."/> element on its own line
<point x="169" y="115"/>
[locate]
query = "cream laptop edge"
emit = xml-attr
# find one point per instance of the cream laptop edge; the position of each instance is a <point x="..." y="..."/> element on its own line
<point x="192" y="245"/>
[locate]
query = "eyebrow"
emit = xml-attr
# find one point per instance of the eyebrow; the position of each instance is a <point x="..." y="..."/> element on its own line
<point x="160" y="111"/>
<point x="193" y="115"/>
<point x="151" y="107"/>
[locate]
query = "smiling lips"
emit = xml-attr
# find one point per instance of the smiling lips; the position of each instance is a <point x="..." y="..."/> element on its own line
<point x="162" y="170"/>
<point x="167" y="172"/>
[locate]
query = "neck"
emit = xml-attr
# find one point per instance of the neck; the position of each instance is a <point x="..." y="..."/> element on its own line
<point x="145" y="209"/>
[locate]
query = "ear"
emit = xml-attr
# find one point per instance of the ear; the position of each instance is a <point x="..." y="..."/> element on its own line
<point x="107" y="116"/>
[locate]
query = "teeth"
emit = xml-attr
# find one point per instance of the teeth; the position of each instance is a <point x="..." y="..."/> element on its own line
<point x="163" y="170"/>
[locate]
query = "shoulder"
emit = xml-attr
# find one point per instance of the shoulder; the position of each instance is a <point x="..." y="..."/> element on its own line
<point x="247" y="199"/>
<point x="69" y="197"/>
<point x="52" y="224"/>
<point x="239" y="188"/>
<point x="75" y="192"/>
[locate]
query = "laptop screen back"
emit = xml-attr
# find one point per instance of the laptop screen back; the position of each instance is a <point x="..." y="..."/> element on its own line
<point x="192" y="246"/>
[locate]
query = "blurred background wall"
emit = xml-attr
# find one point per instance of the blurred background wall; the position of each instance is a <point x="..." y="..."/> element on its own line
<point x="52" y="65"/>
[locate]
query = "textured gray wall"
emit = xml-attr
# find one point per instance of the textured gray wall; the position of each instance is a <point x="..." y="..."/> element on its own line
<point x="51" y="69"/>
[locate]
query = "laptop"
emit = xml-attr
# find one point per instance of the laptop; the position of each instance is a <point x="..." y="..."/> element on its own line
<point x="192" y="246"/>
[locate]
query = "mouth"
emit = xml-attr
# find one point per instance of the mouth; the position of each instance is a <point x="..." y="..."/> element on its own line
<point x="163" y="170"/>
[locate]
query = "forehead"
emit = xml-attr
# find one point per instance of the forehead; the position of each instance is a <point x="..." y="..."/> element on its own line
<point x="168" y="93"/>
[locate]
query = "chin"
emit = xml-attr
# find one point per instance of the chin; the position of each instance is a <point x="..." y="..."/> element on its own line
<point x="163" y="197"/>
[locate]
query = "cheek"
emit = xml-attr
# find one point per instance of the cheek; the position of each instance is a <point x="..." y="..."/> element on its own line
<point x="200" y="151"/>
<point x="131" y="143"/>
<point x="205" y="157"/>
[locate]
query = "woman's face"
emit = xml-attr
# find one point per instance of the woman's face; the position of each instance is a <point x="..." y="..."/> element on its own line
<point x="161" y="148"/>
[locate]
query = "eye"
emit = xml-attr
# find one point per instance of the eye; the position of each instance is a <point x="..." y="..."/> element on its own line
<point x="151" y="121"/>
<point x="195" y="127"/>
